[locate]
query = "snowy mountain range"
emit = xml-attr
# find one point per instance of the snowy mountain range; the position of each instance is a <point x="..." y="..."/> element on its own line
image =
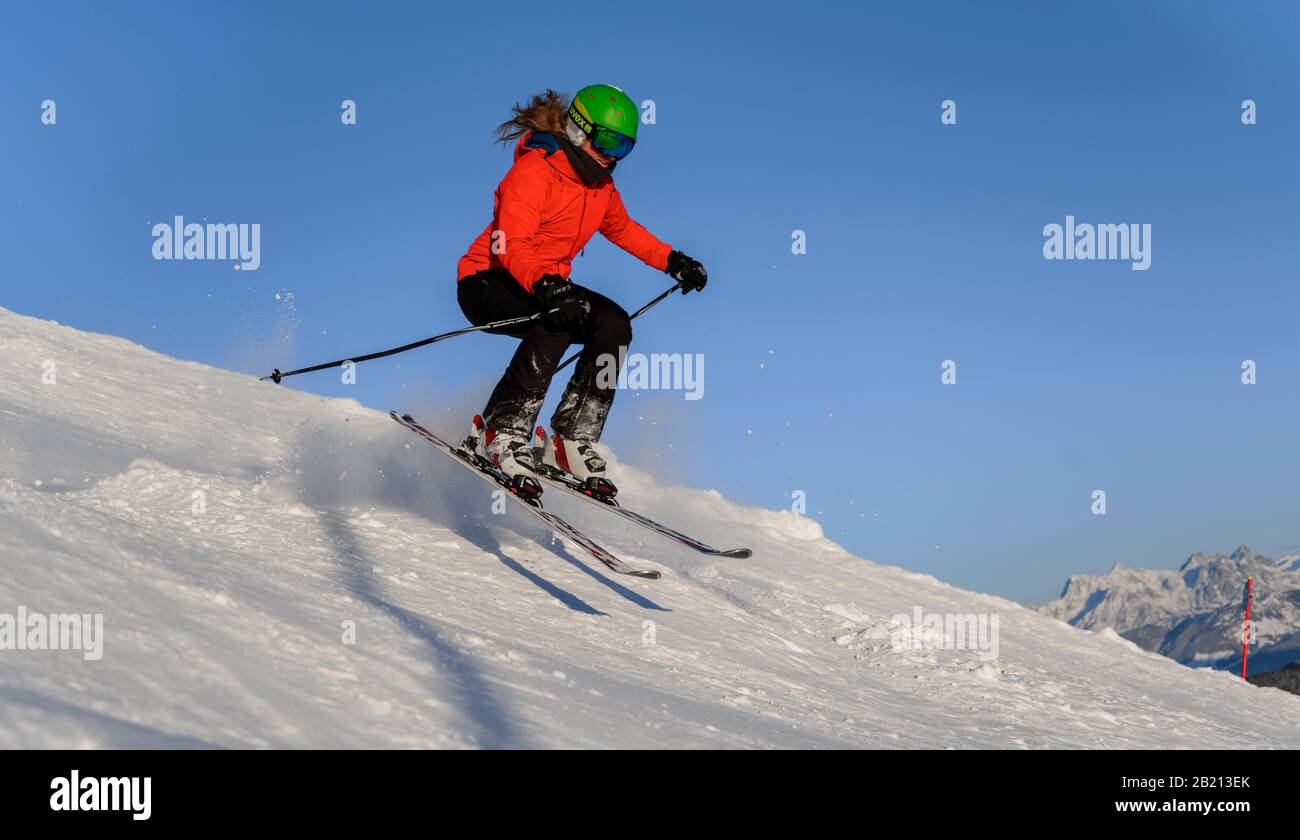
<point x="1194" y="614"/>
<point x="276" y="569"/>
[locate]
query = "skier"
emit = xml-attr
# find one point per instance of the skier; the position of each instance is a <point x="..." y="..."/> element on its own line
<point x="558" y="193"/>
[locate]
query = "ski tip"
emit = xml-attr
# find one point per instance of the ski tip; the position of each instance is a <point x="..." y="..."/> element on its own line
<point x="648" y="575"/>
<point x="736" y="553"/>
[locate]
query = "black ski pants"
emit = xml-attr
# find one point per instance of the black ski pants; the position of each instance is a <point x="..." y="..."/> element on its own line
<point x="494" y="295"/>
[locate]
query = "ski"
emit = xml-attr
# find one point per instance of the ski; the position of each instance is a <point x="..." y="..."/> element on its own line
<point x="573" y="488"/>
<point x="493" y="476"/>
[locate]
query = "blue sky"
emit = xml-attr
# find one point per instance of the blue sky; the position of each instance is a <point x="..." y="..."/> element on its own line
<point x="822" y="369"/>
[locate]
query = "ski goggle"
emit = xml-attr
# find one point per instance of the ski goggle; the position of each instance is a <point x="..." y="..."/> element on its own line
<point x="610" y="143"/>
<point x="607" y="141"/>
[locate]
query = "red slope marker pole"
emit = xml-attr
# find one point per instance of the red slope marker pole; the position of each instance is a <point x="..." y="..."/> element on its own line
<point x="1245" y="632"/>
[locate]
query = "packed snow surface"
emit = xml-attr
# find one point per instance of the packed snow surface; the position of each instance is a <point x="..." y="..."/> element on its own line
<point x="276" y="569"/>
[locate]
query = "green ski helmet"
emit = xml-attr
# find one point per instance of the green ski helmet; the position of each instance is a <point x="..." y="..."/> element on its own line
<point x="607" y="117"/>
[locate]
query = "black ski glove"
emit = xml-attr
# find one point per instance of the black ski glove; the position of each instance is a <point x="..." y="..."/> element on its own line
<point x="568" y="310"/>
<point x="687" y="272"/>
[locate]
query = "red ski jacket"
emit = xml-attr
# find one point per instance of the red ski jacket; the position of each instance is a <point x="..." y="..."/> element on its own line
<point x="543" y="215"/>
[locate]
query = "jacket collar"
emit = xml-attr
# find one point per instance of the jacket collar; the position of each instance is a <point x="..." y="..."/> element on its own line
<point x="569" y="163"/>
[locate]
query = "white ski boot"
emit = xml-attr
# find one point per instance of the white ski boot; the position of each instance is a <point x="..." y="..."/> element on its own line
<point x="509" y="453"/>
<point x="575" y="462"/>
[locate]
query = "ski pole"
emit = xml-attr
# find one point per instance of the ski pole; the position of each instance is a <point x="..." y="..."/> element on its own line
<point x="640" y="311"/>
<point x="275" y="375"/>
<point x="1245" y="632"/>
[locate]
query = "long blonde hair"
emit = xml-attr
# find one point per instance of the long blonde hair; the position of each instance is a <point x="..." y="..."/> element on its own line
<point x="547" y="111"/>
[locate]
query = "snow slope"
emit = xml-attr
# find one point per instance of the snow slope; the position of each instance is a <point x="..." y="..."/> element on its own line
<point x="225" y="627"/>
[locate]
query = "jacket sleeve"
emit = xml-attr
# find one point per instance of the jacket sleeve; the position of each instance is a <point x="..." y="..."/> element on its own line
<point x="520" y="199"/>
<point x="621" y="229"/>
